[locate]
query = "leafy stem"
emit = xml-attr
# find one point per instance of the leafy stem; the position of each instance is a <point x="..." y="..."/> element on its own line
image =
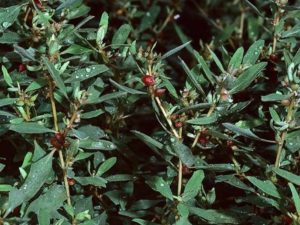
<point x="281" y="141"/>
<point x="61" y="157"/>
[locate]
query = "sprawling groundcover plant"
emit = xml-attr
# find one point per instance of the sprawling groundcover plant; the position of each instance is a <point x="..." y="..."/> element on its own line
<point x="149" y="112"/>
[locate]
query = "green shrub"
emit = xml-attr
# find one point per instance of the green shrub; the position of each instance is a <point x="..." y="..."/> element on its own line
<point x="149" y="112"/>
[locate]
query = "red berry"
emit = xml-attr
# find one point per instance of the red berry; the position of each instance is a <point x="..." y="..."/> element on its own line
<point x="178" y="124"/>
<point x="148" y="80"/>
<point x="22" y="67"/>
<point x="159" y="92"/>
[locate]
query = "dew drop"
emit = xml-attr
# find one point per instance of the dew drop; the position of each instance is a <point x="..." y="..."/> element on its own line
<point x="161" y="184"/>
<point x="76" y="77"/>
<point x="5" y="24"/>
<point x="256" y="53"/>
<point x="88" y="70"/>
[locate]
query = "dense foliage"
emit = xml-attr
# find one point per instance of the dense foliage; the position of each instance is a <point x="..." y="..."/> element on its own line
<point x="149" y="112"/>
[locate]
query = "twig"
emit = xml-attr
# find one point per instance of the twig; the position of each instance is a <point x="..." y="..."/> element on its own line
<point x="210" y="111"/>
<point x="284" y="133"/>
<point x="61" y="158"/>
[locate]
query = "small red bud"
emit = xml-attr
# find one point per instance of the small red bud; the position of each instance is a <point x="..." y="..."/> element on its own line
<point x="39" y="4"/>
<point x="185" y="170"/>
<point x="178" y="124"/>
<point x="173" y="117"/>
<point x="71" y="181"/>
<point x="286" y="220"/>
<point x="274" y="57"/>
<point x="202" y="140"/>
<point x="148" y="80"/>
<point x="22" y="67"/>
<point x="159" y="92"/>
<point x="55" y="143"/>
<point x="60" y="137"/>
<point x="229" y="143"/>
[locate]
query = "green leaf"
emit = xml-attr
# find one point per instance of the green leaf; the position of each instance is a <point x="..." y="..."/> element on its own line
<point x="143" y="222"/>
<point x="10" y="38"/>
<point x="292" y="141"/>
<point x="183" y="152"/>
<point x="77" y="50"/>
<point x="234" y="181"/>
<point x="175" y="50"/>
<point x="52" y="200"/>
<point x="97" y="145"/>
<point x="246" y="78"/>
<point x="217" y="60"/>
<point x="108" y="97"/>
<point x="244" y="132"/>
<point x="102" y="28"/>
<point x="30" y="128"/>
<point x="266" y="186"/>
<point x="7" y="77"/>
<point x="293" y="32"/>
<point x="56" y="77"/>
<point x="287" y="175"/>
<point x="236" y="59"/>
<point x="204" y="120"/>
<point x="5" y="187"/>
<point x="148" y="140"/>
<point x="183" y="38"/>
<point x="95" y="181"/>
<point x="126" y="89"/>
<point x="192" y="77"/>
<point x="87" y="73"/>
<point x="193" y="186"/>
<point x="36" y="84"/>
<point x="7" y="101"/>
<point x="253" y="52"/>
<point x="8" y="16"/>
<point x="38" y="174"/>
<point x="274" y="97"/>
<point x="210" y="76"/>
<point x="121" y="36"/>
<point x="214" y="216"/>
<point x="91" y="114"/>
<point x="106" y="165"/>
<point x="254" y="8"/>
<point x="296" y="197"/>
<point x="158" y="184"/>
<point x="149" y="18"/>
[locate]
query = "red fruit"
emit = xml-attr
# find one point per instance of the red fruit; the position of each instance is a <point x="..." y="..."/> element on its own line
<point x="159" y="92"/>
<point x="22" y="67"/>
<point x="148" y="80"/>
<point x="178" y="124"/>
